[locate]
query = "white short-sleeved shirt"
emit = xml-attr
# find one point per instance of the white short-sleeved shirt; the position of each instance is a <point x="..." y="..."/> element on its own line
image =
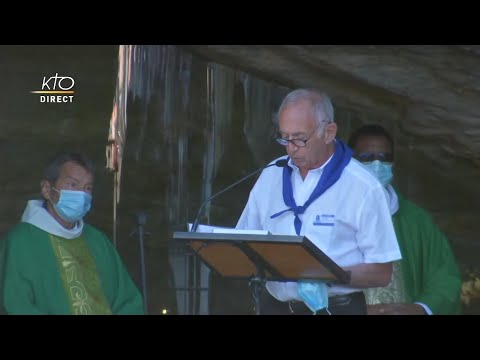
<point x="350" y="221"/>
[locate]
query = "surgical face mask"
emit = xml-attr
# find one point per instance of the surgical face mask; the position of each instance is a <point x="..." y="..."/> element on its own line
<point x="313" y="293"/>
<point x="73" y="205"/>
<point x="381" y="170"/>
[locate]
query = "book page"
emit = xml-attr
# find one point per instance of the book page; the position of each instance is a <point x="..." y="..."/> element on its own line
<point x="240" y="231"/>
<point x="202" y="228"/>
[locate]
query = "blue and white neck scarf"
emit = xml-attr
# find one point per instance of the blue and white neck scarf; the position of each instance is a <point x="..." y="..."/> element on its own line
<point x="330" y="175"/>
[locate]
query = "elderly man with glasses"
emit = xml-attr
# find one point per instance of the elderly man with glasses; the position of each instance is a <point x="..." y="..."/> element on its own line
<point x="427" y="279"/>
<point x="332" y="200"/>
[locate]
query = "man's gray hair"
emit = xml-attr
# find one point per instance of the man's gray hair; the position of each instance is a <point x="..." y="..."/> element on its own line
<point x="321" y="104"/>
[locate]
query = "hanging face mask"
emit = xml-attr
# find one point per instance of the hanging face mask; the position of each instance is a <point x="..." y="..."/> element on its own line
<point x="73" y="205"/>
<point x="313" y="293"/>
<point x="381" y="170"/>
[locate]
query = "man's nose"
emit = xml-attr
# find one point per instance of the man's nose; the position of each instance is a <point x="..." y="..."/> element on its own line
<point x="292" y="147"/>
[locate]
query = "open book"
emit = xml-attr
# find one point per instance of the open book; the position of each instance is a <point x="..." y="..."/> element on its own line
<point x="226" y="230"/>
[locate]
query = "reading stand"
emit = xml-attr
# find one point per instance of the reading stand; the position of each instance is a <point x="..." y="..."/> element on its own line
<point x="261" y="258"/>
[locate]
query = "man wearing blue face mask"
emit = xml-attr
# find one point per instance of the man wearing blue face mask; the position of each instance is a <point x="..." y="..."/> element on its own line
<point x="427" y="279"/>
<point x="55" y="263"/>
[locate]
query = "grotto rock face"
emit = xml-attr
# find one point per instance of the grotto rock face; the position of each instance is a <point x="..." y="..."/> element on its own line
<point x="426" y="95"/>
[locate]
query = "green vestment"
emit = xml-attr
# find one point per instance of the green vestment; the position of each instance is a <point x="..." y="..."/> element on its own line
<point x="47" y="274"/>
<point x="428" y="271"/>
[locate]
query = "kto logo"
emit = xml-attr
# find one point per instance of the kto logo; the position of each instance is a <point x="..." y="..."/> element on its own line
<point x="61" y="86"/>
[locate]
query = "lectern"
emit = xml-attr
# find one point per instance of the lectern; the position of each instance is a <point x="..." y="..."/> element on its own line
<point x="261" y="258"/>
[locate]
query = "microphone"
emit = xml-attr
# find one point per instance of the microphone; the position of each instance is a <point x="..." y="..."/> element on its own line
<point x="279" y="163"/>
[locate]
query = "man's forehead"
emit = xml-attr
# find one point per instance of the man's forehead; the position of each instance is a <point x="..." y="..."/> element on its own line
<point x="294" y="132"/>
<point x="298" y="127"/>
<point x="299" y="114"/>
<point x="76" y="171"/>
<point x="373" y="141"/>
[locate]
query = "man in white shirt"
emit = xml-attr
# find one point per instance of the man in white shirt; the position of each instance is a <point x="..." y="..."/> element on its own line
<point x="332" y="200"/>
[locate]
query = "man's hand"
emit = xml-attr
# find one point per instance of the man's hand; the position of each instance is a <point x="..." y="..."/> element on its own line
<point x="395" y="309"/>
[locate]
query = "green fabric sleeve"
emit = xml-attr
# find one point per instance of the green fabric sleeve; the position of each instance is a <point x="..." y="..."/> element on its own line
<point x="128" y="300"/>
<point x="442" y="281"/>
<point x="17" y="260"/>
<point x="431" y="273"/>
<point x="123" y="294"/>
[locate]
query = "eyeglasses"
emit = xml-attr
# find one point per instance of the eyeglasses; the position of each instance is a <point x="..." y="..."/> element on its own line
<point x="371" y="156"/>
<point x="295" y="142"/>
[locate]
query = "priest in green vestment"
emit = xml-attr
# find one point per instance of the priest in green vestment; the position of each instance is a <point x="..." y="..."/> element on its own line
<point x="52" y="262"/>
<point x="427" y="280"/>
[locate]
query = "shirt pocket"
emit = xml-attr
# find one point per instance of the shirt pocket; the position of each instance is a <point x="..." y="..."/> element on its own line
<point x="321" y="229"/>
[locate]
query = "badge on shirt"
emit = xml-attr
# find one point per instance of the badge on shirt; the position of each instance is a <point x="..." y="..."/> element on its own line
<point x="324" y="220"/>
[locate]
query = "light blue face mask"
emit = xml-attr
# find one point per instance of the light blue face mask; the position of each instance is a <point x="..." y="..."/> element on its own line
<point x="73" y="205"/>
<point x="381" y="170"/>
<point x="313" y="293"/>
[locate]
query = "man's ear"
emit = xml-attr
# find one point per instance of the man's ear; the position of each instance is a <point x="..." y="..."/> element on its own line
<point x="45" y="189"/>
<point x="330" y="132"/>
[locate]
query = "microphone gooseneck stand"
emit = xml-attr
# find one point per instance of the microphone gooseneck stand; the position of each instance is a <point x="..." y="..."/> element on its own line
<point x="257" y="286"/>
<point x="141" y="218"/>
<point x="257" y="282"/>
<point x="279" y="163"/>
